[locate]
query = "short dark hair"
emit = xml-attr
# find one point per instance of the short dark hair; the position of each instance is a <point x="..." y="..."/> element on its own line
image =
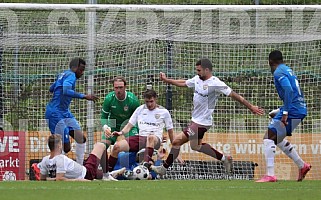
<point x="205" y="63"/>
<point x="276" y="55"/>
<point x="53" y="141"/>
<point x="119" y="78"/>
<point x="148" y="94"/>
<point x="75" y="62"/>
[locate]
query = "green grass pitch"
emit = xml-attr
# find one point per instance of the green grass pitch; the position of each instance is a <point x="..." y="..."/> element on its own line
<point x="163" y="189"/>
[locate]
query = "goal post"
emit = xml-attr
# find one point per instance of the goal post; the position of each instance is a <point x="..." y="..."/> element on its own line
<point x="140" y="41"/>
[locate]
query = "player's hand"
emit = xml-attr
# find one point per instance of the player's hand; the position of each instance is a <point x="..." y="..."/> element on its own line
<point x="107" y="131"/>
<point x="257" y="110"/>
<point x="91" y="97"/>
<point x="284" y="120"/>
<point x="117" y="133"/>
<point x="162" y="76"/>
<point x="273" y="113"/>
<point x="180" y="160"/>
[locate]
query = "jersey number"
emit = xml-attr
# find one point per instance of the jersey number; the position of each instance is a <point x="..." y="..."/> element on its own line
<point x="297" y="85"/>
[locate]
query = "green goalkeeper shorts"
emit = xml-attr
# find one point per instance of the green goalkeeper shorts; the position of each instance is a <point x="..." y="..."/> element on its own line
<point x="132" y="132"/>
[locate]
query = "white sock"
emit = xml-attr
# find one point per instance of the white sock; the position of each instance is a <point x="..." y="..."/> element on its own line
<point x="80" y="153"/>
<point x="269" y="150"/>
<point x="223" y="158"/>
<point x="290" y="151"/>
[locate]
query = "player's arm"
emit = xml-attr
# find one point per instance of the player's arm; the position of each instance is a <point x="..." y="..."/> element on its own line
<point x="131" y="122"/>
<point x="67" y="88"/>
<point x="171" y="135"/>
<point x="179" y="83"/>
<point x="288" y="95"/>
<point x="52" y="87"/>
<point x="125" y="130"/>
<point x="68" y="91"/>
<point x="169" y="126"/>
<point x="254" y="109"/>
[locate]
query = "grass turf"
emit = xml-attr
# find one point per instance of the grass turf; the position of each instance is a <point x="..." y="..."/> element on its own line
<point x="164" y="189"/>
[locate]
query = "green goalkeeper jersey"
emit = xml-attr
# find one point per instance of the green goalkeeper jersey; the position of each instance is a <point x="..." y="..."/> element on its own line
<point x="116" y="113"/>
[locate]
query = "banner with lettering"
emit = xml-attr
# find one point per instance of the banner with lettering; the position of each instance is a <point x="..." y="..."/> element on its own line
<point x="244" y="147"/>
<point x="12" y="155"/>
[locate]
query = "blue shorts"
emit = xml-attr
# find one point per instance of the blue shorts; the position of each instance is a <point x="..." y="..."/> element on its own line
<point x="128" y="160"/>
<point x="61" y="123"/>
<point x="277" y="127"/>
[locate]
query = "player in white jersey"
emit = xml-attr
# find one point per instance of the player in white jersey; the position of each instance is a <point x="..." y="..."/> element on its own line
<point x="59" y="167"/>
<point x="207" y="89"/>
<point x="151" y="120"/>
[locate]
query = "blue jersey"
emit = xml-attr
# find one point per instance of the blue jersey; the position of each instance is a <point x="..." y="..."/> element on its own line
<point x="63" y="91"/>
<point x="287" y="86"/>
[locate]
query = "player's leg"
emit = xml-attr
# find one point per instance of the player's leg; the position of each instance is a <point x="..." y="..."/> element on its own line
<point x="93" y="161"/>
<point x="98" y="150"/>
<point x="196" y="133"/>
<point x="290" y="151"/>
<point x="104" y="158"/>
<point x="152" y="142"/>
<point x="276" y="132"/>
<point x="179" y="140"/>
<point x="76" y="133"/>
<point x="57" y="126"/>
<point x="119" y="146"/>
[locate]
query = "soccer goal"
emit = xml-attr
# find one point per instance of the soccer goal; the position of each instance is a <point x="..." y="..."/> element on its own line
<point x="138" y="42"/>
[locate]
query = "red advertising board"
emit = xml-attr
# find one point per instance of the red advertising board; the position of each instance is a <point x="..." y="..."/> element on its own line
<point x="12" y="155"/>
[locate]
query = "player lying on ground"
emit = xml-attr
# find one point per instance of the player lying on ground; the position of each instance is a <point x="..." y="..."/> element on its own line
<point x="59" y="167"/>
<point x="285" y="119"/>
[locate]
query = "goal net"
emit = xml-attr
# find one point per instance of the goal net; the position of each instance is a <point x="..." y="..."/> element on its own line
<point x="139" y="42"/>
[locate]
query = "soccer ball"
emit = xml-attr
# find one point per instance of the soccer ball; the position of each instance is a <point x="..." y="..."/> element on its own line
<point x="9" y="176"/>
<point x="140" y="172"/>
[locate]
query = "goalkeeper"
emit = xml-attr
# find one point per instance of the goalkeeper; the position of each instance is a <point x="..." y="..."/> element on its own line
<point x="118" y="107"/>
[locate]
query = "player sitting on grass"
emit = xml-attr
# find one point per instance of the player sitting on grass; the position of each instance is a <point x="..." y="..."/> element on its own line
<point x="59" y="167"/>
<point x="151" y="119"/>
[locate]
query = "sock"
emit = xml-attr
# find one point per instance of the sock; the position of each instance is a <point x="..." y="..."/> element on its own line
<point x="80" y="153"/>
<point x="269" y="150"/>
<point x="111" y="163"/>
<point x="290" y="151"/>
<point x="148" y="154"/>
<point x="208" y="150"/>
<point x="173" y="154"/>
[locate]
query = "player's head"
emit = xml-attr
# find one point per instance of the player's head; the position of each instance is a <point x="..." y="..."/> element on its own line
<point x="150" y="98"/>
<point x="275" y="58"/>
<point x="55" y="143"/>
<point x="119" y="84"/>
<point x="77" y="65"/>
<point x="204" y="68"/>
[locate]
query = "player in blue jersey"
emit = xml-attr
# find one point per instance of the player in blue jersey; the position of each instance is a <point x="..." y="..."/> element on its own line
<point x="290" y="115"/>
<point x="60" y="119"/>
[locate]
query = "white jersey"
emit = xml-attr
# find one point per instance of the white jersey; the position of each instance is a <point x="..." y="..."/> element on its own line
<point x="151" y="121"/>
<point x="206" y="94"/>
<point x="62" y="164"/>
